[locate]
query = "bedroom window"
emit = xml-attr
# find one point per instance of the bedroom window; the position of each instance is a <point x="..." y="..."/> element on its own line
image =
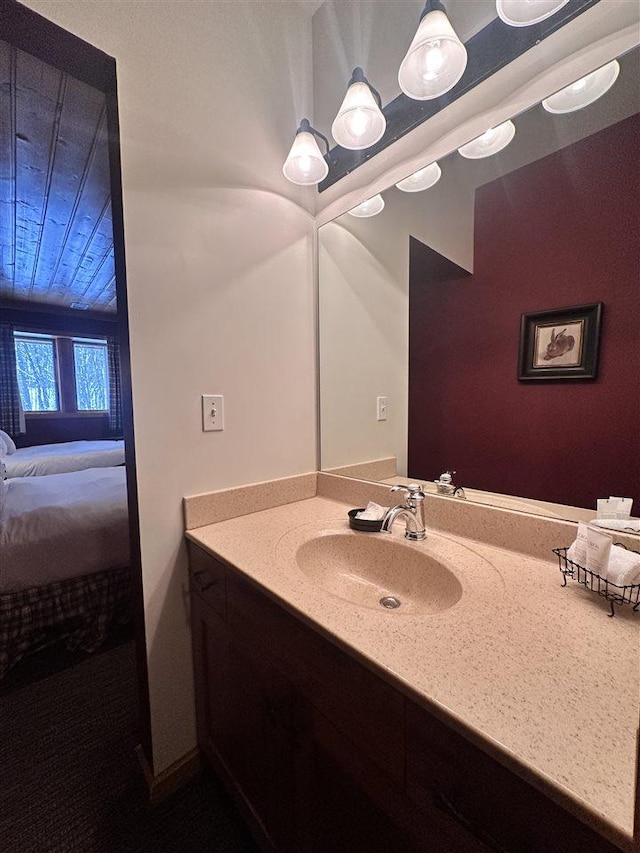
<point x="61" y="374"/>
<point x="91" y="375"/>
<point x="36" y="365"/>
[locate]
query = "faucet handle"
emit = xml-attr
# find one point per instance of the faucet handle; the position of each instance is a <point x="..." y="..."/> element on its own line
<point x="414" y="491"/>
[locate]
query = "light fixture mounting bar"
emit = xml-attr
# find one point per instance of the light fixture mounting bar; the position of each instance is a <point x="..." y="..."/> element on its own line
<point x="489" y="50"/>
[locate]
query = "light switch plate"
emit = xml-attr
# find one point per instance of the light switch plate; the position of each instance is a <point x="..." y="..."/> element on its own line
<point x="212" y="412"/>
<point x="381" y="408"/>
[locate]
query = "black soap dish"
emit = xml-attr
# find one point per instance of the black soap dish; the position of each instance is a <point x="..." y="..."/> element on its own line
<point x="362" y="524"/>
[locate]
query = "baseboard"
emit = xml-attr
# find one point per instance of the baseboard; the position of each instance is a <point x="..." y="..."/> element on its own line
<point x="173" y="777"/>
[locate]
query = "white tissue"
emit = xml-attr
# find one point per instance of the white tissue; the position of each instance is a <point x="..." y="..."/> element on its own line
<point x="623" y="568"/>
<point x="373" y="512"/>
<point x="577" y="551"/>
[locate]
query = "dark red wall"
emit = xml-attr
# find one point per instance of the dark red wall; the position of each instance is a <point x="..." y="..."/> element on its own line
<point x="562" y="231"/>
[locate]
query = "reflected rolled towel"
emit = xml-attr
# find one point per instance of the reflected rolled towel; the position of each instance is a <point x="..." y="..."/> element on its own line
<point x="626" y="525"/>
<point x="623" y="568"/>
<point x="373" y="512"/>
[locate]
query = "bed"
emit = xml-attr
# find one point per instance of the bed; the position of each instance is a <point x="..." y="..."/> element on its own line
<point x="47" y="459"/>
<point x="64" y="561"/>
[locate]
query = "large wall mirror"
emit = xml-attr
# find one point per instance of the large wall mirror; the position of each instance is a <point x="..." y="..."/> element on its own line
<point x="420" y="311"/>
<point x="70" y="573"/>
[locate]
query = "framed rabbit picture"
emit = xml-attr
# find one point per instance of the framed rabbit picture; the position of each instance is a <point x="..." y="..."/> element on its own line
<point x="562" y="343"/>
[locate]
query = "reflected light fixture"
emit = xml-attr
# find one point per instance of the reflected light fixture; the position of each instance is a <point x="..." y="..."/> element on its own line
<point x="584" y="91"/>
<point x="523" y="13"/>
<point x="371" y="207"/>
<point x="360" y="122"/>
<point x="421" y="180"/>
<point x="436" y="58"/>
<point x="305" y="163"/>
<point x="490" y="142"/>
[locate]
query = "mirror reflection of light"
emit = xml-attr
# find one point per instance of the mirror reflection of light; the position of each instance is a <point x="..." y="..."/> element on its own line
<point x="371" y="207"/>
<point x="424" y="178"/>
<point x="523" y="13"/>
<point x="584" y="91"/>
<point x="490" y="142"/>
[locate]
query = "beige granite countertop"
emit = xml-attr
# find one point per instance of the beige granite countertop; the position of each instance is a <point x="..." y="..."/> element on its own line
<point x="535" y="674"/>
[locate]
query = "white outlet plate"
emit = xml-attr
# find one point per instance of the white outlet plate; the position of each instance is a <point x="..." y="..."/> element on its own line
<point x="381" y="408"/>
<point x="212" y="412"/>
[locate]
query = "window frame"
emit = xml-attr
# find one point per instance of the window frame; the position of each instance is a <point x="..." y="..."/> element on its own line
<point x="65" y="372"/>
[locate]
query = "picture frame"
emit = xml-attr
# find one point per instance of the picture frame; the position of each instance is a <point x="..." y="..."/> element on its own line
<point x="560" y="344"/>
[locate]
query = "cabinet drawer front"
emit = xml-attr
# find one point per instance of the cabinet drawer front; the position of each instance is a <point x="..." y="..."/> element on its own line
<point x="208" y="579"/>
<point x="478" y="793"/>
<point x="364" y="707"/>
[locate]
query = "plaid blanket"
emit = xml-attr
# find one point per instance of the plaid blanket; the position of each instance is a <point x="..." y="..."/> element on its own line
<point x="79" y="611"/>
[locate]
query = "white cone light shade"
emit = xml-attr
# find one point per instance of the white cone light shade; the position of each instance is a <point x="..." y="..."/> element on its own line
<point x="490" y="142"/>
<point x="305" y="164"/>
<point x="523" y="13"/>
<point x="421" y="180"/>
<point x="370" y="207"/>
<point x="435" y="61"/>
<point x="584" y="91"/>
<point x="360" y="122"/>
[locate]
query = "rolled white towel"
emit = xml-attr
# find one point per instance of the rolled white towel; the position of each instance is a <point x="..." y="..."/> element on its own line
<point x="623" y="568"/>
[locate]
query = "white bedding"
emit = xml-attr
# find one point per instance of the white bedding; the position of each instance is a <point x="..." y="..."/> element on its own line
<point x="61" y="458"/>
<point x="63" y="526"/>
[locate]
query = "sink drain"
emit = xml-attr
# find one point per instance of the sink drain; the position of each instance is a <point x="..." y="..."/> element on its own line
<point x="390" y="602"/>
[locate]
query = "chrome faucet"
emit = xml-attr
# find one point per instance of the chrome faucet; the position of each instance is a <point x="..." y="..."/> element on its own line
<point x="412" y="511"/>
<point x="445" y="486"/>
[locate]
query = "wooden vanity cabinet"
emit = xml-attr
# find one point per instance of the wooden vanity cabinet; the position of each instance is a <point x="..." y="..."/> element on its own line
<point x="323" y="756"/>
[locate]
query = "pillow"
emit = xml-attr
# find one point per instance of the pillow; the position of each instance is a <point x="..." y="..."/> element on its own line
<point x="3" y="449"/>
<point x="11" y="448"/>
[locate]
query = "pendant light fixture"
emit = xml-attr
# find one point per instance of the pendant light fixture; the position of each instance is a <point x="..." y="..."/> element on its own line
<point x="306" y="164"/>
<point x="360" y="122"/>
<point x="490" y="142"/>
<point x="436" y="58"/>
<point x="523" y="13"/>
<point x="421" y="180"/>
<point x="371" y="207"/>
<point x="584" y="91"/>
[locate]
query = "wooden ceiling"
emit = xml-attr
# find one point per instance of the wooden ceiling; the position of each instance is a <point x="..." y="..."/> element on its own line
<point x="56" y="236"/>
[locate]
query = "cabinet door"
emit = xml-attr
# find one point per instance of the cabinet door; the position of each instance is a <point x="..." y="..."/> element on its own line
<point x="344" y="803"/>
<point x="243" y="717"/>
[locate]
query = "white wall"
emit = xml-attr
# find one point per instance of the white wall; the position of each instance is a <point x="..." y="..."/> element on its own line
<point x="364" y="314"/>
<point x="220" y="276"/>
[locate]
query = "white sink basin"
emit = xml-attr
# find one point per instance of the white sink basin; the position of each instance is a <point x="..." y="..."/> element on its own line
<point x="426" y="578"/>
<point x="369" y="568"/>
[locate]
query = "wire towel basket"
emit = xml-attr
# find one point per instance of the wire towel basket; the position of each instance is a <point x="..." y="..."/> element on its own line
<point x="613" y="593"/>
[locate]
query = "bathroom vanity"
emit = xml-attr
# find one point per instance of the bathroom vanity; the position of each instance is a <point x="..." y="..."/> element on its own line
<point x="483" y="722"/>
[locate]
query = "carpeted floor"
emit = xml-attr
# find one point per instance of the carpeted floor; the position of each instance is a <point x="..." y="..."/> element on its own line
<point x="69" y="779"/>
